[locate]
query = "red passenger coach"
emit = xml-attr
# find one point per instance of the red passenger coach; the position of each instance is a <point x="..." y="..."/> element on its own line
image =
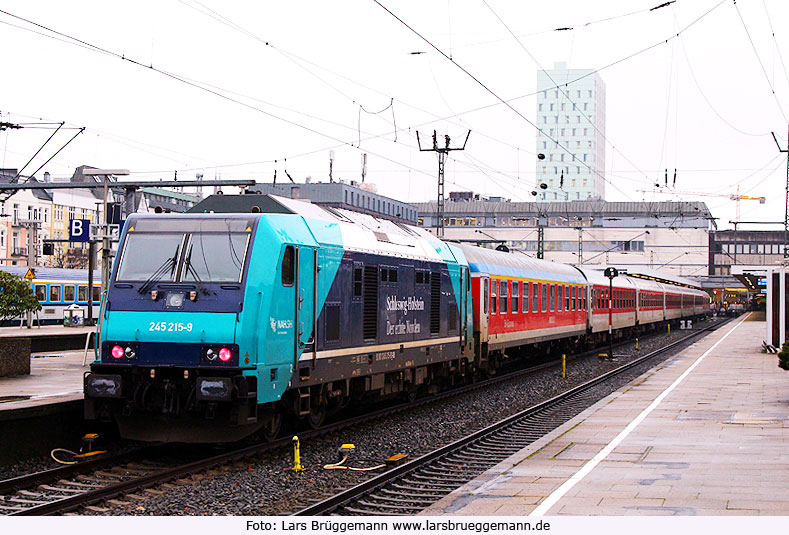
<point x="622" y="297"/>
<point x="520" y="300"/>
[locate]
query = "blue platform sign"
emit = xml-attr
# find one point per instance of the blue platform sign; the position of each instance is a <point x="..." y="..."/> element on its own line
<point x="79" y="230"/>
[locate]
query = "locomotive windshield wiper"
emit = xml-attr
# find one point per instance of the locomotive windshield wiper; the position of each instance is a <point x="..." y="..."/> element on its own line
<point x="191" y="269"/>
<point x="168" y="264"/>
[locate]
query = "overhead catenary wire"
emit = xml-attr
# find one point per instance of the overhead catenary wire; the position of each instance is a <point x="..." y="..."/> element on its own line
<point x="759" y="59"/>
<point x="195" y="85"/>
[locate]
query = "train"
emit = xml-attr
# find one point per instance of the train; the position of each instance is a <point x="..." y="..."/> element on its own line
<point x="56" y="289"/>
<point x="220" y="327"/>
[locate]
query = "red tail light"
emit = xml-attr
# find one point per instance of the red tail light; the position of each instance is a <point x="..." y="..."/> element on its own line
<point x="225" y="354"/>
<point x="117" y="352"/>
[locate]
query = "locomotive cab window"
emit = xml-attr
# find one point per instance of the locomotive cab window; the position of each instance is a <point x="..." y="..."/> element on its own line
<point x="289" y="266"/>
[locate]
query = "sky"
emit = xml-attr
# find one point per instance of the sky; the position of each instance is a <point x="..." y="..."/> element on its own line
<point x="246" y="89"/>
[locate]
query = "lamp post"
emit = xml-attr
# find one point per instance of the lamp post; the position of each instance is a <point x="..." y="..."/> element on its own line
<point x="610" y="272"/>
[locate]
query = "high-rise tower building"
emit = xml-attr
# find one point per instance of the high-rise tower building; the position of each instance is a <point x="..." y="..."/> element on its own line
<point x="573" y="115"/>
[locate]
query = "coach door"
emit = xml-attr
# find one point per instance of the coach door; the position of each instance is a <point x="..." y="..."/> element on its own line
<point x="306" y="303"/>
<point x="484" y="292"/>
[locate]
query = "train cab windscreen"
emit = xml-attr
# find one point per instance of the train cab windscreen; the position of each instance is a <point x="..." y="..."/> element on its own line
<point x="185" y="250"/>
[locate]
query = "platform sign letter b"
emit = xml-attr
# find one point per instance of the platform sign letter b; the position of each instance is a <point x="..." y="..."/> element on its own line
<point x="79" y="230"/>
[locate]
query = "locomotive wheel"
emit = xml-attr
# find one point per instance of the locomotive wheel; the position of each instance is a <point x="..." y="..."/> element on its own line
<point x="271" y="431"/>
<point x="316" y="416"/>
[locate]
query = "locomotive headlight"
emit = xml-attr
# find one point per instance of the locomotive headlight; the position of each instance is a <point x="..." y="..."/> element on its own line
<point x="129" y="352"/>
<point x="210" y="354"/>
<point x="175" y="299"/>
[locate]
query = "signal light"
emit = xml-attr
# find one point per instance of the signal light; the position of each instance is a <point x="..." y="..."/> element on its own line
<point x="225" y="354"/>
<point x="117" y="352"/>
<point x="154" y="295"/>
<point x="193" y="296"/>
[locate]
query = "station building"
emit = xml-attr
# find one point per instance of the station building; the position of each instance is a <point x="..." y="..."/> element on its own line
<point x="667" y="236"/>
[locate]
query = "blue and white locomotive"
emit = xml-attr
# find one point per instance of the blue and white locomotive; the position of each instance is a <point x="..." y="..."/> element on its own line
<point x="217" y="326"/>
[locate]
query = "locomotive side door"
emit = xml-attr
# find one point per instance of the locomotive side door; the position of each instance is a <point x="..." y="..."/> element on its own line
<point x="306" y="315"/>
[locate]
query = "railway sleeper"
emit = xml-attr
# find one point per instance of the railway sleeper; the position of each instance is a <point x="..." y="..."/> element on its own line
<point x="433" y="488"/>
<point x="463" y="464"/>
<point x="415" y="500"/>
<point x="79" y="484"/>
<point x="414" y="494"/>
<point x="61" y="489"/>
<point x="403" y="508"/>
<point x="443" y="491"/>
<point x="11" y="508"/>
<point x="428" y="481"/>
<point x="30" y="494"/>
<point x="365" y="512"/>
<point x="14" y="499"/>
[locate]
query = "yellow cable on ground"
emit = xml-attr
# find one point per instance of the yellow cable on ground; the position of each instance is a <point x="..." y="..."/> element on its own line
<point x="52" y="454"/>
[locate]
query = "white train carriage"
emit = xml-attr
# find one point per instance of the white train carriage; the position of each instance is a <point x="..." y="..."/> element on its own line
<point x="58" y="288"/>
<point x="650" y="298"/>
<point x="620" y="299"/>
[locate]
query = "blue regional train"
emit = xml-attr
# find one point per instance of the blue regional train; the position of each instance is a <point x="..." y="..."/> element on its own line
<point x="219" y="326"/>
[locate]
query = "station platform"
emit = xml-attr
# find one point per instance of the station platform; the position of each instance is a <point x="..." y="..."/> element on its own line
<point x="705" y="433"/>
<point x="54" y="378"/>
<point x="50" y="337"/>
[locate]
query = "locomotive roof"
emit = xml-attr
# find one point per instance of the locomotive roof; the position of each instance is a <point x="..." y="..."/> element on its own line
<point x="483" y="260"/>
<point x="367" y="233"/>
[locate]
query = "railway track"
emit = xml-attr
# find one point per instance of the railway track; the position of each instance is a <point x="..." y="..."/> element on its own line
<point x="412" y="487"/>
<point x="71" y="487"/>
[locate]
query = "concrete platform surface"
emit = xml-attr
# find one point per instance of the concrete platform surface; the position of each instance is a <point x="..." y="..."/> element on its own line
<point x="706" y="433"/>
<point x="44" y="330"/>
<point x="53" y="379"/>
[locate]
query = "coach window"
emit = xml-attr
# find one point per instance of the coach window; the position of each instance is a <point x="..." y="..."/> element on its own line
<point x="503" y="294"/>
<point x="525" y="296"/>
<point x="516" y="295"/>
<point x="97" y="294"/>
<point x="288" y="266"/>
<point x="68" y="293"/>
<point x="54" y="292"/>
<point x="559" y="299"/>
<point x="573" y="296"/>
<point x="82" y="294"/>
<point x="567" y="298"/>
<point x="41" y="292"/>
<point x="494" y="292"/>
<point x="486" y="296"/>
<point x="535" y="297"/>
<point x="544" y="304"/>
<point x="553" y="297"/>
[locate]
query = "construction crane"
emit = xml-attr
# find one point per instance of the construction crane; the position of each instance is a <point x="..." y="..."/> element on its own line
<point x="665" y="190"/>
